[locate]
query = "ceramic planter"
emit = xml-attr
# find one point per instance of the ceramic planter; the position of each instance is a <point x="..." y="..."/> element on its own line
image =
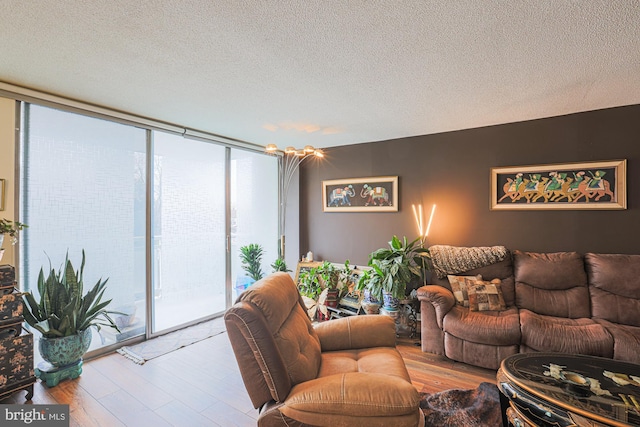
<point x="65" y="350"/>
<point x="368" y="297"/>
<point x="332" y="297"/>
<point x="391" y="303"/>
<point x="371" y="307"/>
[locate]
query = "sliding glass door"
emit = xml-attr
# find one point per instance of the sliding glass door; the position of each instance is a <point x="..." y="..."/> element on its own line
<point x="254" y="211"/>
<point x="83" y="188"/>
<point x="161" y="216"/>
<point x="189" y="238"/>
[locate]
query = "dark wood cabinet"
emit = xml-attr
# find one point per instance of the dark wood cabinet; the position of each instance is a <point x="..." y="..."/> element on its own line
<point x="16" y="344"/>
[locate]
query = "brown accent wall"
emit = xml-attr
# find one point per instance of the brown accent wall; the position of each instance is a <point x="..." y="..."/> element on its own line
<point x="452" y="170"/>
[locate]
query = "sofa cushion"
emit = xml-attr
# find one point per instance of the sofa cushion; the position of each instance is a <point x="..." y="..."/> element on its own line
<point x="626" y="341"/>
<point x="552" y="284"/>
<point x="379" y="360"/>
<point x="483" y="355"/>
<point x="354" y="399"/>
<point x="571" y="336"/>
<point x="459" y="288"/>
<point x="486" y="327"/>
<point x="502" y="270"/>
<point x="614" y="285"/>
<point x="486" y="296"/>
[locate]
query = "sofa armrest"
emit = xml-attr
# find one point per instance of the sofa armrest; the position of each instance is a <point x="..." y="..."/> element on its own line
<point x="352" y="398"/>
<point x="435" y="303"/>
<point x="441" y="298"/>
<point x="352" y="332"/>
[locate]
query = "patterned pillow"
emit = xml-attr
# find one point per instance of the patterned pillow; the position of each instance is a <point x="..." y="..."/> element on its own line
<point x="485" y="296"/>
<point x="459" y="287"/>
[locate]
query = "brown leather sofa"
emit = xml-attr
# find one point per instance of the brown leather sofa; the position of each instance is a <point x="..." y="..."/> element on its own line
<point x="555" y="302"/>
<point x="344" y="372"/>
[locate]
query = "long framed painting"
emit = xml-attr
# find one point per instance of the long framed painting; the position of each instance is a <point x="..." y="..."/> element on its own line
<point x="374" y="194"/>
<point x="587" y="185"/>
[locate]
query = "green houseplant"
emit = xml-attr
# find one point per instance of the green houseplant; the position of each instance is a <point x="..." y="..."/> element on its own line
<point x="315" y="279"/>
<point x="251" y="258"/>
<point x="280" y="265"/>
<point x="330" y="277"/>
<point x="309" y="283"/>
<point x="64" y="315"/>
<point x="393" y="268"/>
<point x="345" y="278"/>
<point x="12" y="228"/>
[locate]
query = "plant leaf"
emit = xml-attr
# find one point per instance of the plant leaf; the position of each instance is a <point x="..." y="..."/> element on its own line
<point x="62" y="306"/>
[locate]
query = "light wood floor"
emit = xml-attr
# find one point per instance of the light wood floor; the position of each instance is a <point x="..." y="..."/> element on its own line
<point x="200" y="385"/>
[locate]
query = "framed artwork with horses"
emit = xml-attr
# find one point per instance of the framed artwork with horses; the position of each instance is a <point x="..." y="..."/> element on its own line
<point x="374" y="194"/>
<point x="587" y="185"/>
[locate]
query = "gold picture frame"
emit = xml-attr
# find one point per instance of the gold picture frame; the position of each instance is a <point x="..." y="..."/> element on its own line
<point x="373" y="194"/>
<point x="585" y="185"/>
<point x="2" y="193"/>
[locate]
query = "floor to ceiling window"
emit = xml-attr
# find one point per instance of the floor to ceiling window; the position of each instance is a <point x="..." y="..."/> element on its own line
<point x="189" y="238"/>
<point x="78" y="193"/>
<point x="99" y="185"/>
<point x="254" y="210"/>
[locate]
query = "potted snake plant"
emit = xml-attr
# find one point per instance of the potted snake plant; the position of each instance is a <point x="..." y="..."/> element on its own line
<point x="64" y="315"/>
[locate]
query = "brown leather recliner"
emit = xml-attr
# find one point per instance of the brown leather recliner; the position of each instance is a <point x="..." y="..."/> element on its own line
<point x="344" y="372"/>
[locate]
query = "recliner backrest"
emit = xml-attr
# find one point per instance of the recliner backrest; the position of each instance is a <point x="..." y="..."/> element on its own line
<point x="551" y="284"/>
<point x="502" y="270"/>
<point x="614" y="285"/>
<point x="273" y="339"/>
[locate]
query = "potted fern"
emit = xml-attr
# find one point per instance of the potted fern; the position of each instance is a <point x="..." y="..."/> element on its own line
<point x="64" y="315"/>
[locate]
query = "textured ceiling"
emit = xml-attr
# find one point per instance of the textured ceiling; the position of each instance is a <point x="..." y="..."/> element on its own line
<point x="327" y="72"/>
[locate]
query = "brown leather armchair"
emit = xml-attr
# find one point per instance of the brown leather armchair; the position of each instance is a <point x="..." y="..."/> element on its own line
<point x="345" y="372"/>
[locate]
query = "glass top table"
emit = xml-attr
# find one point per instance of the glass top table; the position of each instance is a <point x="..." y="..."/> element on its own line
<point x="560" y="389"/>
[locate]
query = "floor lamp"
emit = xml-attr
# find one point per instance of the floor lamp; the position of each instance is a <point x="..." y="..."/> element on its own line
<point x="423" y="232"/>
<point x="289" y="161"/>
